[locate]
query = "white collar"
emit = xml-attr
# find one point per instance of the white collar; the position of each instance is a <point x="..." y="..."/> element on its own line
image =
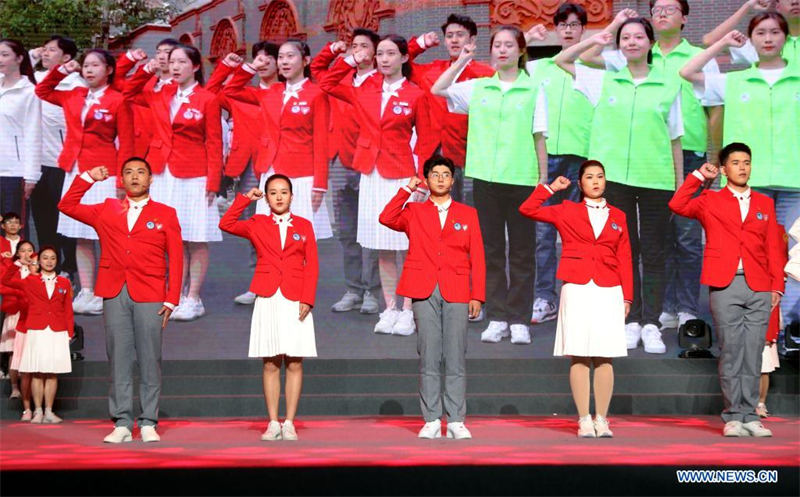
<point x="48" y="278"/>
<point x="595" y="204"/>
<point x="294" y="87"/>
<point x="138" y="203"/>
<point x="185" y="93"/>
<point x="444" y="205"/>
<point x="286" y="217"/>
<point x="745" y="195"/>
<point x="359" y="79"/>
<point x="96" y="94"/>
<point x="263" y="86"/>
<point x="393" y="87"/>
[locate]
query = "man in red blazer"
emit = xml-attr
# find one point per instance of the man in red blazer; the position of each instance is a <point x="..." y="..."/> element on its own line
<point x="139" y="278"/>
<point x="445" y="274"/>
<point x="741" y="266"/>
<point x="449" y="129"/>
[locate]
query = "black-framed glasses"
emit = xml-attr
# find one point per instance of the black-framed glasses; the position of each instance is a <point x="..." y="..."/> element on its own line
<point x="668" y="10"/>
<point x="565" y="25"/>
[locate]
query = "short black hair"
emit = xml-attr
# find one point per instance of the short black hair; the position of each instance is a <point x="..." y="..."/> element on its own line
<point x="465" y="21"/>
<point x="276" y="177"/>
<point x="66" y="45"/>
<point x="437" y="160"/>
<point x="171" y="42"/>
<point x="565" y="9"/>
<point x="269" y="48"/>
<point x="730" y="148"/>
<point x="11" y="215"/>
<point x="372" y="35"/>
<point x="51" y="248"/>
<point x="137" y="159"/>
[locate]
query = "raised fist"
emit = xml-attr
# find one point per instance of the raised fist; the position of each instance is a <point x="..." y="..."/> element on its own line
<point x="431" y="39"/>
<point x="735" y="39"/>
<point x="72" y="66"/>
<point x="414" y="182"/>
<point x="260" y="62"/>
<point x="98" y="173"/>
<point x="709" y="171"/>
<point x="338" y="47"/>
<point x="536" y="33"/>
<point x="138" y="54"/>
<point x="560" y="183"/>
<point x="602" y="38"/>
<point x="254" y="194"/>
<point x="625" y="14"/>
<point x="152" y="66"/>
<point x="232" y="60"/>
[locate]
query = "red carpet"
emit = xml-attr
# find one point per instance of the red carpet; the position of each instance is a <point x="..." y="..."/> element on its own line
<point x="392" y="442"/>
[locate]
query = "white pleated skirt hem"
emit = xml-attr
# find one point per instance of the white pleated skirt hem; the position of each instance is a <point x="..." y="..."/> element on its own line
<point x="19" y="349"/>
<point x="769" y="358"/>
<point x="9" y="332"/>
<point x="591" y="321"/>
<point x="199" y="221"/>
<point x="276" y="329"/>
<point x="301" y="205"/>
<point x="46" y="351"/>
<point x="374" y="192"/>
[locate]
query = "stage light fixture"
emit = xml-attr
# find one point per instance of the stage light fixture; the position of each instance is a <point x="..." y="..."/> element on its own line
<point x="694" y="337"/>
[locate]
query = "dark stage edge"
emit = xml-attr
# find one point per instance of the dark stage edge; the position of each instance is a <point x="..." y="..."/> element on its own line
<point x="382" y="456"/>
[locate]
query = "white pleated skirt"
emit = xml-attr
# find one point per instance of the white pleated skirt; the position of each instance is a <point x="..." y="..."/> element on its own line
<point x="46" y="351"/>
<point x="769" y="358"/>
<point x="9" y="332"/>
<point x="374" y="193"/>
<point x="97" y="194"/>
<point x="199" y="221"/>
<point x="276" y="329"/>
<point x="301" y="204"/>
<point x="19" y="349"/>
<point x="591" y="321"/>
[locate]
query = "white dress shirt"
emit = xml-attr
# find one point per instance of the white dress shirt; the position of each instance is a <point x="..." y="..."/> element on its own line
<point x="135" y="210"/>
<point x="93" y="96"/>
<point x="49" y="283"/>
<point x="292" y="90"/>
<point x="389" y="91"/>
<point x="598" y="214"/>
<point x="181" y="97"/>
<point x="283" y="221"/>
<point x="442" y="208"/>
<point x="744" y="208"/>
<point x="14" y="244"/>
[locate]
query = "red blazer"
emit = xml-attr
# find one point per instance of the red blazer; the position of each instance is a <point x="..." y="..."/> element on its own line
<point x="294" y="268"/>
<point x="138" y="257"/>
<point x="383" y="142"/>
<point x="90" y="143"/>
<point x="192" y="143"/>
<point x="248" y="124"/>
<point x="606" y="259"/>
<point x="44" y="311"/>
<point x="142" y="117"/>
<point x="343" y="130"/>
<point x="297" y="132"/>
<point x="728" y="239"/>
<point x="775" y="317"/>
<point x="451" y="257"/>
<point x="449" y="129"/>
<point x="14" y="300"/>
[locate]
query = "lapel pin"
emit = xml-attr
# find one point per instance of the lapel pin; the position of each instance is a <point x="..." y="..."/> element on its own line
<point x="150" y="225"/>
<point x="759" y="216"/>
<point x="614" y="226"/>
<point x="457" y="226"/>
<point x="296" y="237"/>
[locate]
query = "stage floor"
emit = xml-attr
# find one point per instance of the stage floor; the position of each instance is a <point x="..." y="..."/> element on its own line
<point x="391" y="442"/>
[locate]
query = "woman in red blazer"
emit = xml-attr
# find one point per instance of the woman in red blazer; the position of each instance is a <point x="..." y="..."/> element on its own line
<point x="50" y="326"/>
<point x="389" y="113"/>
<point x="186" y="159"/>
<point x="285" y="282"/>
<point x="297" y="114"/>
<point x="97" y="119"/>
<point x="15" y="307"/>
<point x="596" y="297"/>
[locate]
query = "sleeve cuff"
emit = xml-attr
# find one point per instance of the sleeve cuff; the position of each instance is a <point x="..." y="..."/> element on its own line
<point x="406" y="188"/>
<point x="547" y="187"/>
<point x="171" y="307"/>
<point x="129" y="55"/>
<point x="249" y="68"/>
<point x="63" y="70"/>
<point x="146" y="68"/>
<point x="322" y="190"/>
<point x="421" y="41"/>
<point x="350" y="60"/>
<point x="85" y="177"/>
<point x="697" y="175"/>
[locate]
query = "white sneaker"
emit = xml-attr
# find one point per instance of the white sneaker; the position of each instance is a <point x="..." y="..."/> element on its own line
<point x="458" y="431"/>
<point x="496" y="331"/>
<point x="386" y="321"/>
<point x="601" y="427"/>
<point x="586" y="427"/>
<point x="734" y="429"/>
<point x="80" y="300"/>
<point x="197" y="307"/>
<point x="431" y="429"/>
<point x="51" y="418"/>
<point x="633" y="333"/>
<point x="179" y="309"/>
<point x="685" y="316"/>
<point x="520" y="334"/>
<point x="348" y="302"/>
<point x="149" y="434"/>
<point x="190" y="309"/>
<point x="370" y="304"/>
<point x="404" y="325"/>
<point x="756" y="429"/>
<point x="247" y="298"/>
<point x="668" y="320"/>
<point x="273" y="432"/>
<point x="287" y="430"/>
<point x="651" y="338"/>
<point x="93" y="306"/>
<point x="480" y="317"/>
<point x="119" y="435"/>
<point x="543" y="311"/>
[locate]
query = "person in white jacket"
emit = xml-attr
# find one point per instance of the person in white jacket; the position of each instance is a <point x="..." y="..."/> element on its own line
<point x="44" y="199"/>
<point x="20" y="129"/>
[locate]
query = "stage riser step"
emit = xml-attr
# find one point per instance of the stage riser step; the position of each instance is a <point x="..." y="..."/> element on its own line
<point x="401" y="383"/>
<point x="366" y="405"/>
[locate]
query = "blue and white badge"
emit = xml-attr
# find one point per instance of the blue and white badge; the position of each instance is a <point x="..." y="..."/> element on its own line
<point x="759" y="216"/>
<point x="150" y="225"/>
<point x="457" y="226"/>
<point x="397" y="109"/>
<point x="296" y="237"/>
<point x="98" y="116"/>
<point x="62" y="291"/>
<point x="188" y="114"/>
<point x="614" y="227"/>
<point x="295" y="109"/>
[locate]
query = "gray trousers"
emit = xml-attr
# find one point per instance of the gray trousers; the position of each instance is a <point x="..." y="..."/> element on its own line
<point x="740" y="318"/>
<point x="133" y="330"/>
<point x="442" y="337"/>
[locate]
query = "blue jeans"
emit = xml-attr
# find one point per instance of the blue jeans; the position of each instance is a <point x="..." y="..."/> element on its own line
<point x="787" y="210"/>
<point x="546" y="260"/>
<point x="685" y="256"/>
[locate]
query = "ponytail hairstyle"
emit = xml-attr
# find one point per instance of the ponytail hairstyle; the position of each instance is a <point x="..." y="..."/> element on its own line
<point x="304" y="50"/>
<point x="519" y="36"/>
<point x="586" y="165"/>
<point x="195" y="58"/>
<point x="402" y="46"/>
<point x="648" y="29"/>
<point x="106" y="57"/>
<point x="25" y="66"/>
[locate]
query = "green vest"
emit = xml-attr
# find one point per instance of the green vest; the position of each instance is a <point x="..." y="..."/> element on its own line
<point x="500" y="145"/>
<point x="630" y="135"/>
<point x="791" y="50"/>
<point x="768" y="121"/>
<point x="695" y="137"/>
<point x="569" y="112"/>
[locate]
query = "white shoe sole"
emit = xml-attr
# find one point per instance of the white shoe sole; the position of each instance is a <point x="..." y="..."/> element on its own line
<point x="655" y="350"/>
